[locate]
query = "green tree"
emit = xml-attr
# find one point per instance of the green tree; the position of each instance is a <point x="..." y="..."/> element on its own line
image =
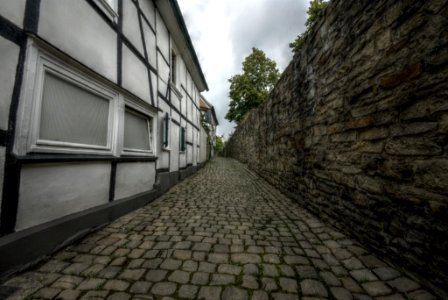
<point x="250" y="89"/>
<point x="219" y="146"/>
<point x="314" y="12"/>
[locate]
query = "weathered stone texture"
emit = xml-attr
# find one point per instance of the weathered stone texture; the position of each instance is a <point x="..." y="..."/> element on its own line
<point x="356" y="129"/>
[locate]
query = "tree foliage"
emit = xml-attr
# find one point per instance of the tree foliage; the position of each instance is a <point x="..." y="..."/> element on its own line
<point x="219" y="146"/>
<point x="314" y="12"/>
<point x="251" y="88"/>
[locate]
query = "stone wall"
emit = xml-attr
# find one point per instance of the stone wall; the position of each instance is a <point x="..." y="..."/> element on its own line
<point x="356" y="130"/>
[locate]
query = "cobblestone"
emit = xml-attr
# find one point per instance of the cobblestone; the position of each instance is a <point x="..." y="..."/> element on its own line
<point x="223" y="233"/>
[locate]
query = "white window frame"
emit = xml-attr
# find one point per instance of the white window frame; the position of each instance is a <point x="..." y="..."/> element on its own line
<point x="146" y="111"/>
<point x="27" y="138"/>
<point x="109" y="7"/>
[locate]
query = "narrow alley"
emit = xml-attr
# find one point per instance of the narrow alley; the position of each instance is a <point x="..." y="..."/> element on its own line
<point x="223" y="233"/>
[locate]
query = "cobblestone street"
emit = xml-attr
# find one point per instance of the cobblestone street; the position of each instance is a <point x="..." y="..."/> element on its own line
<point x="223" y="233"/>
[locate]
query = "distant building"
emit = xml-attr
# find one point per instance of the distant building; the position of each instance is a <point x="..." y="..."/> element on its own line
<point x="210" y="122"/>
<point x="99" y="114"/>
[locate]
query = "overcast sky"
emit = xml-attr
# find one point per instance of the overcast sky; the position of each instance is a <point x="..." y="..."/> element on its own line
<point x="224" y="31"/>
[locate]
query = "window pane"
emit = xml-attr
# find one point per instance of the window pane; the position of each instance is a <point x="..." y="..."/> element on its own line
<point x="72" y="114"/>
<point x="136" y="131"/>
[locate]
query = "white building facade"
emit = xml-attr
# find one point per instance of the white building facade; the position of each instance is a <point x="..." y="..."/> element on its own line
<point x="99" y="114"/>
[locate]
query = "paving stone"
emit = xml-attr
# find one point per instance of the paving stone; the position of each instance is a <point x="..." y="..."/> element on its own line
<point x="222" y="279"/>
<point x="306" y="272"/>
<point x="190" y="266"/>
<point x="207" y="267"/>
<point x="283" y="296"/>
<point x="376" y="288"/>
<point x="271" y="258"/>
<point x="288" y="285"/>
<point x="94" y="295"/>
<point x="200" y="278"/>
<point x="353" y="264"/>
<point x="363" y="275"/>
<point x="182" y="254"/>
<point x="250" y="269"/>
<point x="210" y="293"/>
<point x="421" y="295"/>
<point x="116" y="285"/>
<point x="90" y="284"/>
<point x="164" y="288"/>
<point x="286" y="270"/>
<point x="351" y="285"/>
<point x="53" y="266"/>
<point x="179" y="276"/>
<point x="202" y="247"/>
<point x="386" y="273"/>
<point x="311" y="287"/>
<point x="341" y="293"/>
<point x="229" y="269"/>
<point x="234" y="293"/>
<point x="218" y="258"/>
<point x="152" y="263"/>
<point x="156" y="275"/>
<point x="140" y="287"/>
<point x="47" y="293"/>
<point x="330" y="279"/>
<point x="68" y="295"/>
<point x="268" y="284"/>
<point x="250" y="282"/>
<point x="404" y="284"/>
<point x="76" y="268"/>
<point x="109" y="272"/>
<point x="67" y="282"/>
<point x="171" y="264"/>
<point x="119" y="296"/>
<point x="246" y="258"/>
<point x="296" y="260"/>
<point x="188" y="291"/>
<point x="260" y="295"/>
<point x="134" y="274"/>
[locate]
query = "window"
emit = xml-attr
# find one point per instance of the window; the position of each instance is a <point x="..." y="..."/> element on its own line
<point x="166" y="131"/>
<point x="109" y="7"/>
<point x="183" y="141"/>
<point x="137" y="131"/>
<point x="173" y="67"/>
<point x="71" y="114"/>
<point x="66" y="110"/>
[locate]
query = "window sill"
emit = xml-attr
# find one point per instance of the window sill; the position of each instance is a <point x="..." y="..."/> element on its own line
<point x="175" y="90"/>
<point x="50" y="157"/>
<point x="167" y="149"/>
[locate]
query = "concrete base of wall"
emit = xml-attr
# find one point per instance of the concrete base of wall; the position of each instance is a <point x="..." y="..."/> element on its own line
<point x="23" y="249"/>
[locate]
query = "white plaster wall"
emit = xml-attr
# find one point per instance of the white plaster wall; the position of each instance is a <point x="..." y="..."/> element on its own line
<point x="148" y="10"/>
<point x="2" y="169"/>
<point x="135" y="75"/>
<point x="61" y="25"/>
<point x="175" y="101"/>
<point x="162" y="37"/>
<point x="50" y="191"/>
<point x="174" y="159"/>
<point x="162" y="86"/>
<point x="154" y="87"/>
<point x="203" y="154"/>
<point x="134" y="178"/>
<point x="163" y="68"/>
<point x="131" y="26"/>
<point x="190" y="133"/>
<point x="150" y="40"/>
<point x="189" y="154"/>
<point x="182" y="73"/>
<point x="9" y="55"/>
<point x="13" y="10"/>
